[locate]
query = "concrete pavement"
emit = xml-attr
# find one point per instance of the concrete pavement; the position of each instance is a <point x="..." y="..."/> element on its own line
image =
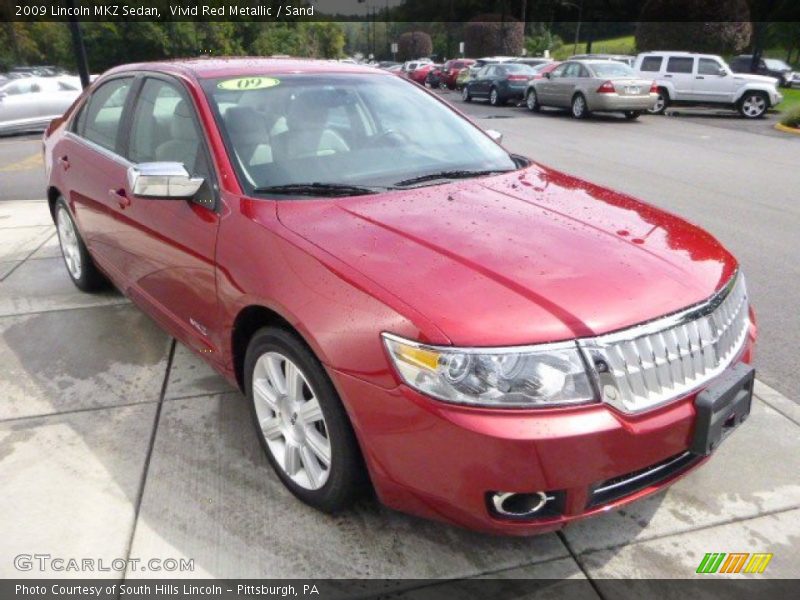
<point x="117" y="442"/>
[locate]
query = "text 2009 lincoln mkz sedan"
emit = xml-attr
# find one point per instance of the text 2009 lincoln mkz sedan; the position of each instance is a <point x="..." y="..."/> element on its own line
<point x="405" y="304"/>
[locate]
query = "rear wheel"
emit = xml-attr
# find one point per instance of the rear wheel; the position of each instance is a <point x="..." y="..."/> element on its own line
<point x="662" y="102"/>
<point x="579" y="108"/>
<point x="532" y="101"/>
<point x="300" y="421"/>
<point x="632" y="114"/>
<point x="494" y="98"/>
<point x="80" y="267"/>
<point x="465" y="96"/>
<point x="753" y="105"/>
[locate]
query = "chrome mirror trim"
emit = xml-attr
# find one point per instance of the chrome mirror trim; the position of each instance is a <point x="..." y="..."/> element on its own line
<point x="495" y="135"/>
<point x="162" y="180"/>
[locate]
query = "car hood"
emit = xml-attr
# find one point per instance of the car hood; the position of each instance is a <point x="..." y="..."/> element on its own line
<point x="529" y="257"/>
<point x="756" y="78"/>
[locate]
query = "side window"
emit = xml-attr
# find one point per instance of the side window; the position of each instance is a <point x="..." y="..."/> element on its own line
<point x="708" y="66"/>
<point x="100" y="118"/>
<point x="558" y="71"/>
<point x="651" y="63"/>
<point x="680" y="64"/>
<point x="164" y="130"/>
<point x="583" y="72"/>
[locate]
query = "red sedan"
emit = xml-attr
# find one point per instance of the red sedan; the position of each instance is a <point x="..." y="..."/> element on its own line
<point x="405" y="304"/>
<point x="451" y="69"/>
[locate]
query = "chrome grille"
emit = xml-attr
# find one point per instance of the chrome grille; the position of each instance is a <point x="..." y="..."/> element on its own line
<point x="651" y="364"/>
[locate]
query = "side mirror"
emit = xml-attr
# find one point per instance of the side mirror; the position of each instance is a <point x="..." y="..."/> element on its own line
<point x="495" y="135"/>
<point x="547" y="75"/>
<point x="2" y="95"/>
<point x="162" y="180"/>
<point x="722" y="72"/>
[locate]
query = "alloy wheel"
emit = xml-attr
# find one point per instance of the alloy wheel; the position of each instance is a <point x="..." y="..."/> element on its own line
<point x="493" y="97"/>
<point x="530" y="100"/>
<point x="464" y="93"/>
<point x="291" y="420"/>
<point x="659" y="105"/>
<point x="754" y="106"/>
<point x="578" y="107"/>
<point x="68" y="239"/>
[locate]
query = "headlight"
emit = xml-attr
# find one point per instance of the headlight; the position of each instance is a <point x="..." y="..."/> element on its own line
<point x="525" y="377"/>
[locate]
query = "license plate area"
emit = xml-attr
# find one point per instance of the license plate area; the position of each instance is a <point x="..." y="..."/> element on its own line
<point x="722" y="407"/>
<point x="632" y="90"/>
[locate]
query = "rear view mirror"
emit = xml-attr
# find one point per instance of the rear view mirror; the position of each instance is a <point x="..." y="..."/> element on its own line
<point x="162" y="180"/>
<point x="495" y="135"/>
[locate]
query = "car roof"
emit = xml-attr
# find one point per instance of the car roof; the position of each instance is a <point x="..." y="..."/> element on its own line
<point x="676" y="53"/>
<point x="206" y="68"/>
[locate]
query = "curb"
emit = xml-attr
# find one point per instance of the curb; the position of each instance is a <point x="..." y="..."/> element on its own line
<point x="787" y="129"/>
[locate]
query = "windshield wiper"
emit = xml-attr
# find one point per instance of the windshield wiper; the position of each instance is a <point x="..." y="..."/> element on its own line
<point x="318" y="189"/>
<point x="457" y="174"/>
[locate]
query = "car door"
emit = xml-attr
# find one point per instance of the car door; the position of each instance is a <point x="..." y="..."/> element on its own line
<point x="545" y="87"/>
<point x="169" y="244"/>
<point x="564" y="86"/>
<point x="480" y="87"/>
<point x="94" y="170"/>
<point x="680" y="72"/>
<point x="713" y="82"/>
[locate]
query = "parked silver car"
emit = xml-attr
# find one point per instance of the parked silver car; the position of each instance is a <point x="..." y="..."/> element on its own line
<point x="30" y="103"/>
<point x="586" y="86"/>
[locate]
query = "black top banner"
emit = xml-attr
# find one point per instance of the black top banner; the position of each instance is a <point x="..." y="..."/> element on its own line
<point x="399" y="11"/>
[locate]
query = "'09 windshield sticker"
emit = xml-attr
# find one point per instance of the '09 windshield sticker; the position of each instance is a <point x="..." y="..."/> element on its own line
<point x="248" y="83"/>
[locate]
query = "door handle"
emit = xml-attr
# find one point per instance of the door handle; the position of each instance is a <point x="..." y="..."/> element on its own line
<point x="667" y="75"/>
<point x="64" y="162"/>
<point x="699" y="77"/>
<point x="121" y="197"/>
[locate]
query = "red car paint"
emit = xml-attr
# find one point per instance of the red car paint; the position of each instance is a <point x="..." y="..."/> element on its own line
<point x="526" y="257"/>
<point x="452" y="68"/>
<point x="421" y="73"/>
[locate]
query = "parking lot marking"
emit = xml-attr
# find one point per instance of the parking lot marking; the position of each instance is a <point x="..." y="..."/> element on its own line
<point x="34" y="161"/>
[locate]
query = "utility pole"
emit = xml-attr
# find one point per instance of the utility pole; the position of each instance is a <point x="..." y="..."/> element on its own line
<point x="77" y="45"/>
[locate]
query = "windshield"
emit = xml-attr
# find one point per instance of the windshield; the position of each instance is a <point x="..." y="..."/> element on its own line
<point x="371" y="131"/>
<point x="776" y="64"/>
<point x="612" y="69"/>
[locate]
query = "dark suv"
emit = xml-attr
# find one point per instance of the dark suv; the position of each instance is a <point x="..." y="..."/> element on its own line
<point x="771" y="67"/>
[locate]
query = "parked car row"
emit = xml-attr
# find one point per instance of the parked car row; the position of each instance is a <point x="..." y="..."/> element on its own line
<point x="30" y="103"/>
<point x="605" y="83"/>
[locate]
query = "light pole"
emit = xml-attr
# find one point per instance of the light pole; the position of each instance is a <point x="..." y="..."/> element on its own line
<point x="77" y="46"/>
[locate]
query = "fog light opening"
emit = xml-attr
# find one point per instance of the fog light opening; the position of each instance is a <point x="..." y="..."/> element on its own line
<point x="518" y="505"/>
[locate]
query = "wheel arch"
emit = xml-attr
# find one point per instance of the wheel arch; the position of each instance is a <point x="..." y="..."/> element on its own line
<point x="250" y="319"/>
<point x="53" y="194"/>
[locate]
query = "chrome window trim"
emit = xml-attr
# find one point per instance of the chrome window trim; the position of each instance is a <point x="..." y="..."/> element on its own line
<point x="110" y="154"/>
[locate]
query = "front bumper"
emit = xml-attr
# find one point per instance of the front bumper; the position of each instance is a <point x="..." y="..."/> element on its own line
<point x="440" y="461"/>
<point x="615" y="102"/>
<point x="775" y="97"/>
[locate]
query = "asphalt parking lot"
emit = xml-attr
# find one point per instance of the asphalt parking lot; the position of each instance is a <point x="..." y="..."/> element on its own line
<point x="115" y="441"/>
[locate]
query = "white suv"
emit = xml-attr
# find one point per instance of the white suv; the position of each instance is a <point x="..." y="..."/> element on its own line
<point x="689" y="79"/>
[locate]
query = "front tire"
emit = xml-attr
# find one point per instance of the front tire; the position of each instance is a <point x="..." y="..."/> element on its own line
<point x="465" y="96"/>
<point x="300" y="421"/>
<point x="579" y="108"/>
<point x="80" y="266"/>
<point x="753" y="105"/>
<point x="532" y="101"/>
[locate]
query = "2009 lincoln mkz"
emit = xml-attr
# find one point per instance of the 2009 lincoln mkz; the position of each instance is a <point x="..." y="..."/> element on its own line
<point x="407" y="306"/>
